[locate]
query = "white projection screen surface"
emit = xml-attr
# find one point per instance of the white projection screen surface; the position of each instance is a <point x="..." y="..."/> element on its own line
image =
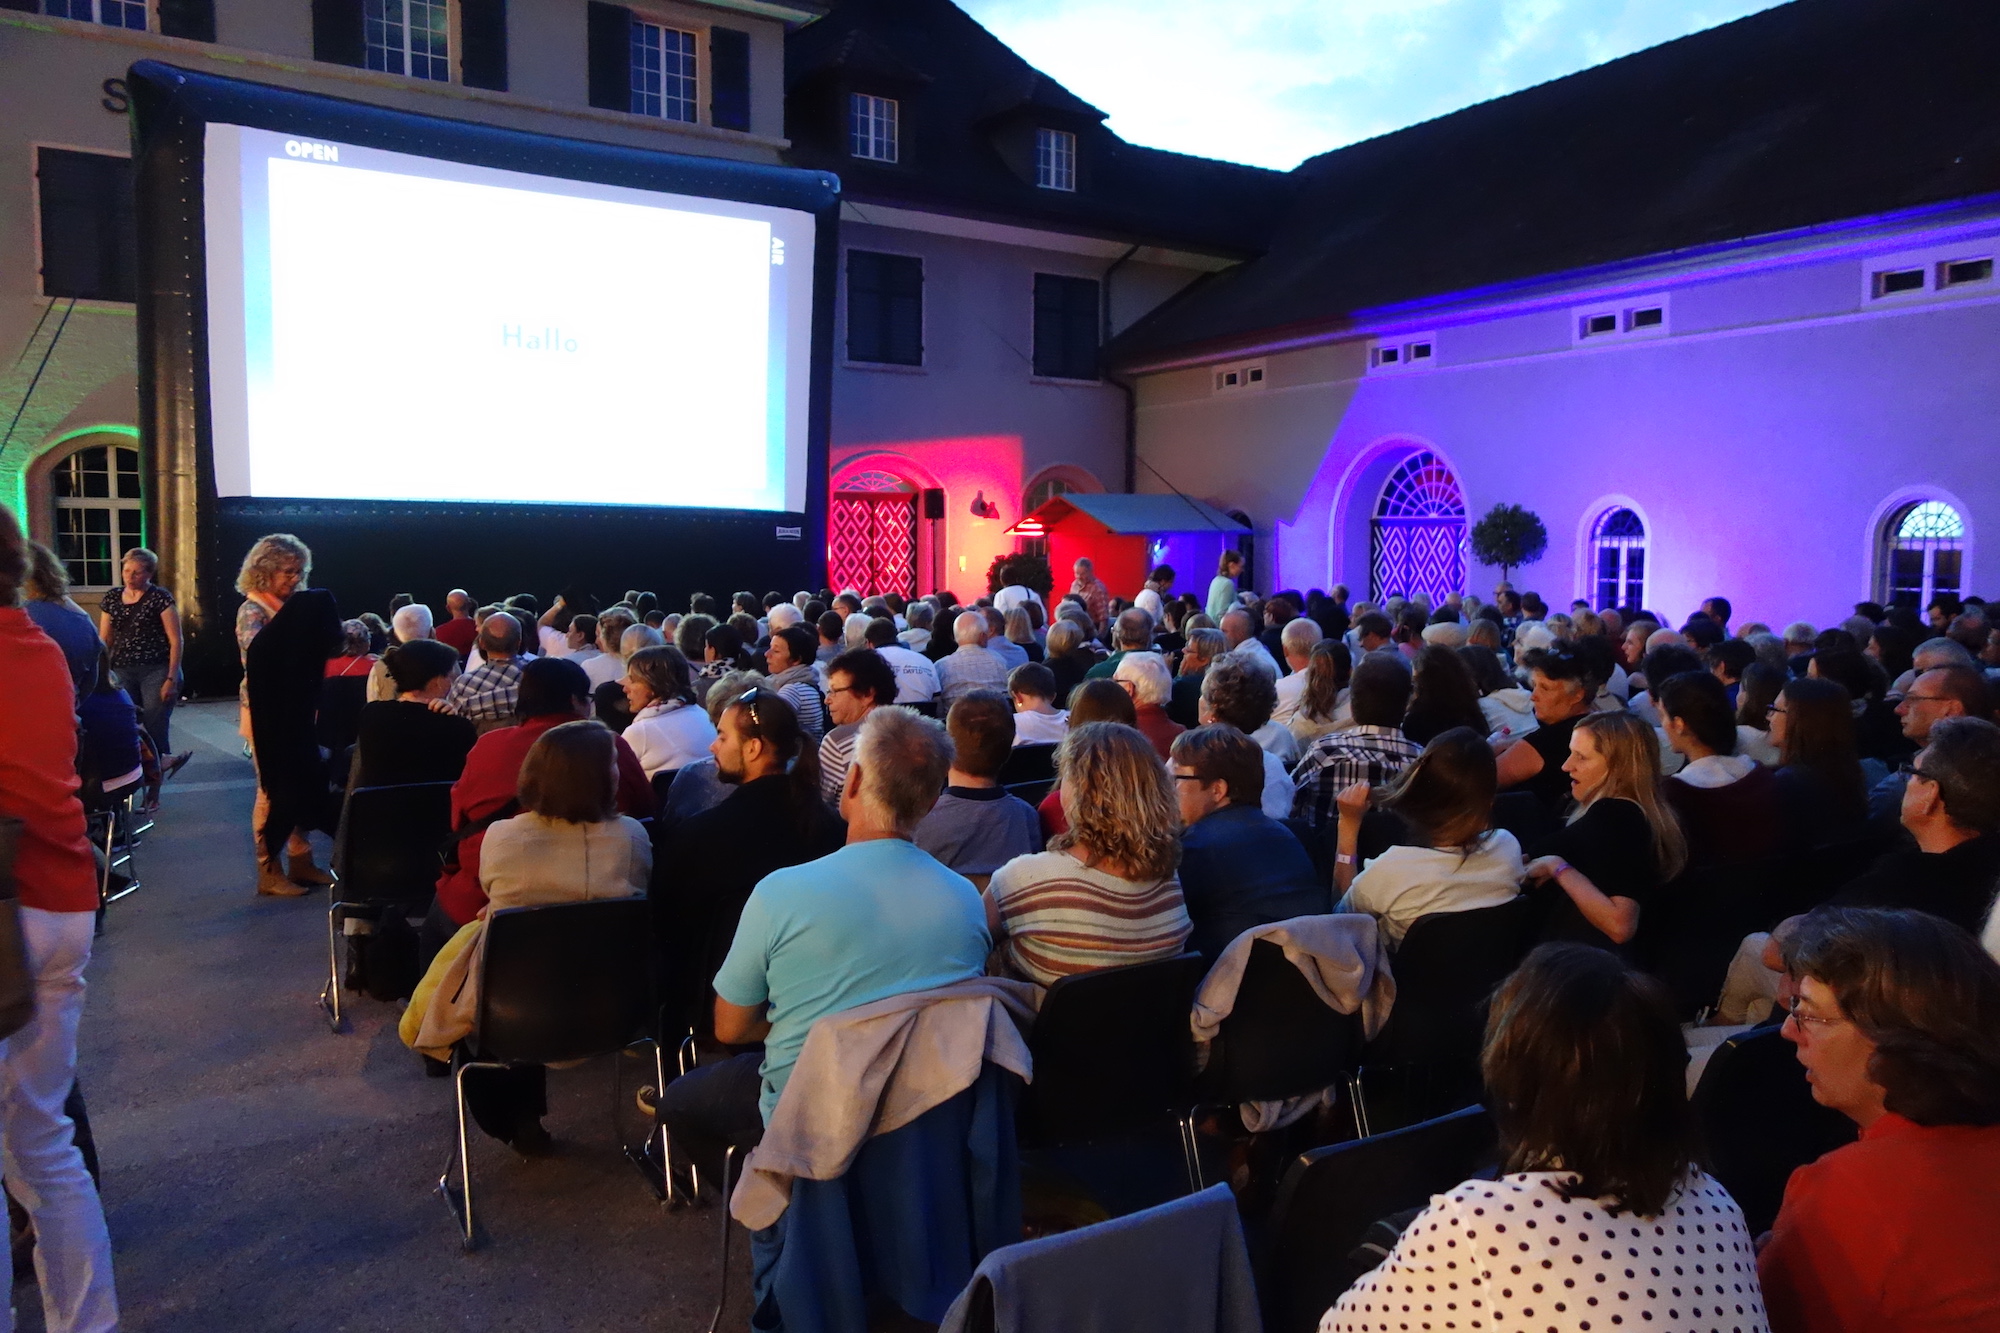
<point x="383" y="326"/>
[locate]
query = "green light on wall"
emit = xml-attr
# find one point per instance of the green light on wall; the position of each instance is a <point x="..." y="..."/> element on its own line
<point x="15" y="480"/>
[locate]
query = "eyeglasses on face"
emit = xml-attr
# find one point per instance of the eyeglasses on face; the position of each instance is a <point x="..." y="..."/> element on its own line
<point x="1909" y="768"/>
<point x="1807" y="1023"/>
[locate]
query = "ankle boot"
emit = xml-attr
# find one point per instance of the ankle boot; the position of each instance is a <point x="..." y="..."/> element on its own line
<point x="301" y="870"/>
<point x="271" y="881"/>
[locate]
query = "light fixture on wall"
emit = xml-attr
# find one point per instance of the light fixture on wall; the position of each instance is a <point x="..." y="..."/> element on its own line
<point x="983" y="507"/>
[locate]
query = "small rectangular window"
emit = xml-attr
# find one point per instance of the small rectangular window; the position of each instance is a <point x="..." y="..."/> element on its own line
<point x="1388" y="356"/>
<point x="1958" y="272"/>
<point x="1419" y="351"/>
<point x="1055" y="160"/>
<point x="111" y="13"/>
<point x="1892" y="281"/>
<point x="1066" y="321"/>
<point x="885" y="308"/>
<point x="873" y="127"/>
<point x="410" y="37"/>
<point x="88" y="246"/>
<point x="665" y="80"/>
<point x="1597" y="324"/>
<point x="1231" y="378"/>
<point x="1649" y="318"/>
<point x="1256" y="374"/>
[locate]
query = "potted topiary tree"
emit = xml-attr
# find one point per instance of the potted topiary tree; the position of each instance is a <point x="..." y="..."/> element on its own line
<point x="1509" y="536"/>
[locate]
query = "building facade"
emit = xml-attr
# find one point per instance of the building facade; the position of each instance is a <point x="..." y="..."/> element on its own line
<point x="1723" y="314"/>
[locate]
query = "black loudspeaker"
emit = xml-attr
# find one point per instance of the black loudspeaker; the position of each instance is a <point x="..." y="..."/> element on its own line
<point x="934" y="504"/>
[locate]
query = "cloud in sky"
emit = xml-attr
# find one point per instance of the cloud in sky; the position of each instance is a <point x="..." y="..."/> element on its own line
<point x="1275" y="81"/>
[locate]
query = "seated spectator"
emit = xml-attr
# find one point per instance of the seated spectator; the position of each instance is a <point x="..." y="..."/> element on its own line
<point x="915" y="675"/>
<point x="1509" y="710"/>
<point x="108" y="750"/>
<point x="1037" y="720"/>
<point x="789" y="663"/>
<point x="486" y="696"/>
<point x="568" y="844"/>
<point x="1668" y="656"/>
<point x="50" y="607"/>
<point x="918" y="636"/>
<point x="459" y="629"/>
<point x="1144" y="676"/>
<point x="698" y="786"/>
<point x="1020" y="632"/>
<point x="409" y="623"/>
<point x="1322" y="695"/>
<point x="608" y="665"/>
<point x="1203" y="646"/>
<point x="1239" y="867"/>
<point x="1131" y="633"/>
<point x="1562" y="691"/>
<point x="1442" y="696"/>
<point x="1897" y="1022"/>
<point x="1622" y="840"/>
<point x="1296" y="640"/>
<point x="552" y="691"/>
<point x="1237" y="691"/>
<point x="1728" y="804"/>
<point x="1936" y="694"/>
<point x="1457" y="860"/>
<point x="831" y="630"/>
<point x="668" y="730"/>
<point x="1373" y="750"/>
<point x="580" y="640"/>
<point x="406" y="739"/>
<point x="1585" y="1074"/>
<point x="772" y="814"/>
<point x="355" y="657"/>
<point x="1951" y="808"/>
<point x="1239" y="632"/>
<point x="1756" y="696"/>
<point x="857" y="683"/>
<point x="1104" y="894"/>
<point x="1819" y="777"/>
<point x="874" y="919"/>
<point x="1878" y="734"/>
<point x="1093" y="701"/>
<point x="972" y="666"/>
<point x="1893" y="649"/>
<point x="977" y="826"/>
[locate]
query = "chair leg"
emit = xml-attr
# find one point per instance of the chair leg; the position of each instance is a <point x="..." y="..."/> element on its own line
<point x="329" y="999"/>
<point x="460" y="1202"/>
<point x="722" y="1295"/>
<point x="1360" y="1105"/>
<point x="1191" y="1150"/>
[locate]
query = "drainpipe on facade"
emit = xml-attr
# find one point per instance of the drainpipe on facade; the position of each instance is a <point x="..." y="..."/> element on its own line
<point x="1123" y="385"/>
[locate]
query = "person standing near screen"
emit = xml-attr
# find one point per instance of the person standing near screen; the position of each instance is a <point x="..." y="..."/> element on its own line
<point x="142" y="629"/>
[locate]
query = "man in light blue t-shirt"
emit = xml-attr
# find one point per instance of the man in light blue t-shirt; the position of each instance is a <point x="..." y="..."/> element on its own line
<point x="877" y="918"/>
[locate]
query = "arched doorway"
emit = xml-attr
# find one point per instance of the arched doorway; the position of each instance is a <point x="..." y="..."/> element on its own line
<point x="99" y="512"/>
<point x="872" y="534"/>
<point x="1922" y="554"/>
<point x="1416" y="538"/>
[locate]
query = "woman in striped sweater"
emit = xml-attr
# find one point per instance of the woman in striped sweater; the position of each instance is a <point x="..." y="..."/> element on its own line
<point x="1105" y="893"/>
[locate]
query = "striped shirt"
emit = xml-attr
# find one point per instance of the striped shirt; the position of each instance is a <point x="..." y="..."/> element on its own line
<point x="1059" y="916"/>
<point x="836" y="755"/>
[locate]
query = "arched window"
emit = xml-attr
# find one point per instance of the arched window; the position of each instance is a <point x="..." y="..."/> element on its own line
<point x="1923" y="554"/>
<point x="1618" y="559"/>
<point x="1045" y="490"/>
<point x="98" y="512"/>
<point x="1417" y="537"/>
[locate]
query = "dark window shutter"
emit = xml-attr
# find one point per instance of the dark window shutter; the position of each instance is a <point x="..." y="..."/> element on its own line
<point x="25" y="6"/>
<point x="1066" y="320"/>
<point x="482" y="35"/>
<point x="610" y="56"/>
<point x="192" y="19"/>
<point x="729" y="79"/>
<point x="89" y="246"/>
<point x="337" y="36"/>
<point x="885" y="308"/>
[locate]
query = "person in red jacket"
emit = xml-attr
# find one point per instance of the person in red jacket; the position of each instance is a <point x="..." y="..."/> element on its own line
<point x="56" y="881"/>
<point x="1897" y="1022"/>
<point x="553" y="690"/>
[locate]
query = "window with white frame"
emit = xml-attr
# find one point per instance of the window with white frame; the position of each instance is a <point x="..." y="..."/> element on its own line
<point x="410" y="37"/>
<point x="1923" y="554"/>
<point x="1411" y="351"/>
<point x="1055" y="160"/>
<point x="111" y="13"/>
<point x="98" y="513"/>
<point x="872" y="127"/>
<point x="665" y="77"/>
<point x="1618" y="560"/>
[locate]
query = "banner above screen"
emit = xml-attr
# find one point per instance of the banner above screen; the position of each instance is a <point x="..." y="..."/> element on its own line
<point x="383" y="326"/>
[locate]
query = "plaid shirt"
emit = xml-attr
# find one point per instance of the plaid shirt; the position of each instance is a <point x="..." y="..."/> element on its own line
<point x="1340" y="759"/>
<point x="487" y="696"/>
<point x="969" y="669"/>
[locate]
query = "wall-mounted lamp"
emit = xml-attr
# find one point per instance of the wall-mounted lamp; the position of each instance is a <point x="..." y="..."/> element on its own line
<point x="983" y="507"/>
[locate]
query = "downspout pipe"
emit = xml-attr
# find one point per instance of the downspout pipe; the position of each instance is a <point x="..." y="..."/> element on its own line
<point x="1123" y="385"/>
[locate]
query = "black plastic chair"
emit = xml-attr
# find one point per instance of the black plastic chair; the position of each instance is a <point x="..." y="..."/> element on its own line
<point x="1114" y="1056"/>
<point x="1816" y="875"/>
<point x="338" y="724"/>
<point x="386" y="856"/>
<point x="1028" y="763"/>
<point x="1447" y="967"/>
<point x="1759" y="1119"/>
<point x="1032" y="792"/>
<point x="662" y="782"/>
<point x="1694" y="926"/>
<point x="1525" y="815"/>
<point x="563" y="982"/>
<point x="1280" y="1040"/>
<point x="1331" y="1196"/>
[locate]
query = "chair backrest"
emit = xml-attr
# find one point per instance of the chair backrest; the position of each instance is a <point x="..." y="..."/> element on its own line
<point x="1525" y="815"/>
<point x="1031" y="792"/>
<point x="390" y="843"/>
<point x="1280" y="1039"/>
<point x="565" y="981"/>
<point x="1029" y="763"/>
<point x="1113" y="1052"/>
<point x="1760" y="1122"/>
<point x="662" y="783"/>
<point x="1693" y="927"/>
<point x="1448" y="965"/>
<point x="341" y="699"/>
<point x="1331" y="1196"/>
<point x="1815" y="875"/>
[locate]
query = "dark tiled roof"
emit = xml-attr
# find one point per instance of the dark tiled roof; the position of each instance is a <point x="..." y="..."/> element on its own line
<point x="961" y="90"/>
<point x="1813" y="112"/>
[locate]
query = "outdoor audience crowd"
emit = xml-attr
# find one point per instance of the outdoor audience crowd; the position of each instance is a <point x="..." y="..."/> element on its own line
<point x="822" y="797"/>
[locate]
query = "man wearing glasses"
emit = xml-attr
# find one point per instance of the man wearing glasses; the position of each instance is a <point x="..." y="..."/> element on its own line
<point x="1945" y="692"/>
<point x="1951" y="806"/>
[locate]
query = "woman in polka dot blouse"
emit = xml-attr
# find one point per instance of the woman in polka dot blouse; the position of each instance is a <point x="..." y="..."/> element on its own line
<point x="1602" y="1220"/>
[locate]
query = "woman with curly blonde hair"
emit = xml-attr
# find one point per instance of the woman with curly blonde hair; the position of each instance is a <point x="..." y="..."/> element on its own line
<point x="1105" y="893"/>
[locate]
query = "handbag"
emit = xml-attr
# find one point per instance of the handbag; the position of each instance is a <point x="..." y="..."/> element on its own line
<point x="17" y="979"/>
